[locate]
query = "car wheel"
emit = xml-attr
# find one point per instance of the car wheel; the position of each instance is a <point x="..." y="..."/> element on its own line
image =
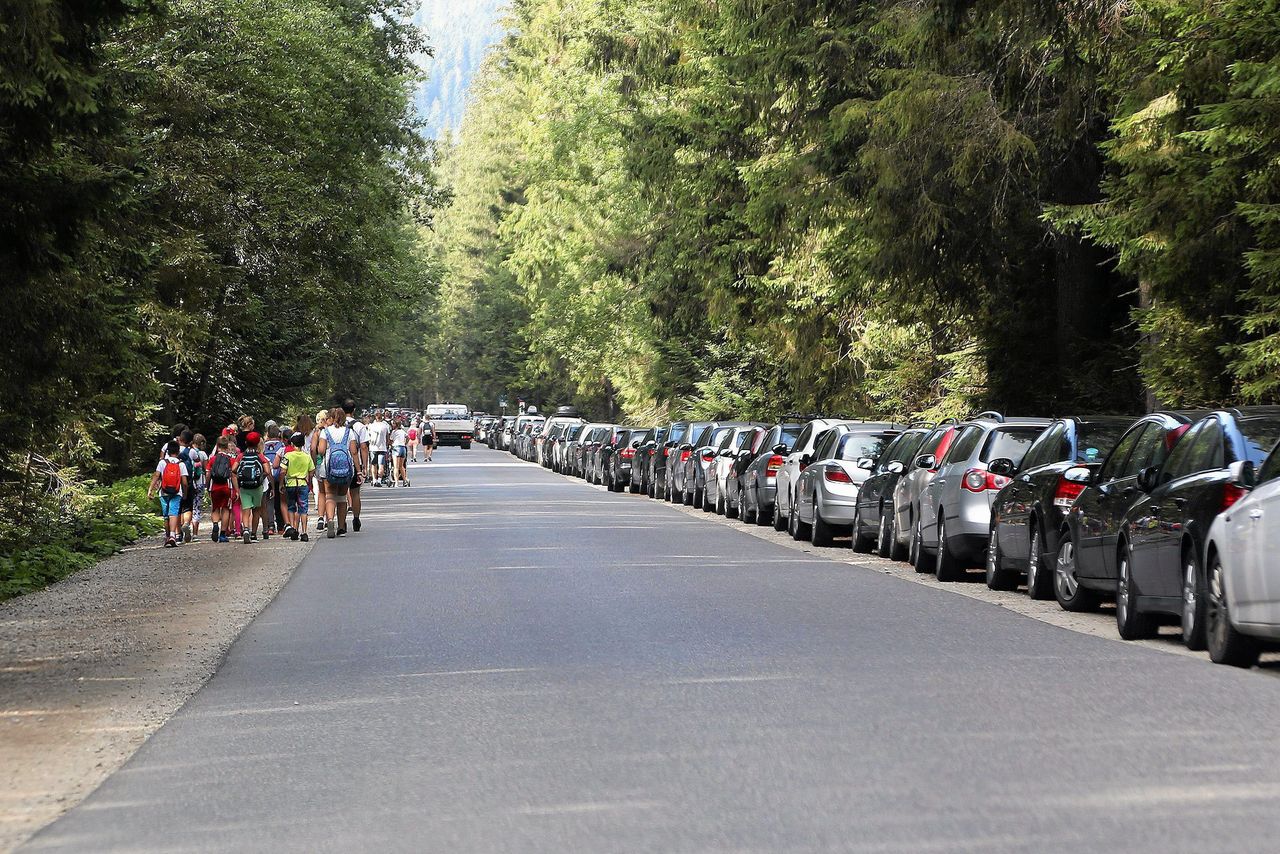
<point x="820" y="533"/>
<point x="862" y="543"/>
<point x="1071" y="595"/>
<point x="1226" y="645"/>
<point x="884" y="543"/>
<point x="1131" y="624"/>
<point x="1193" y="602"/>
<point x="779" y="524"/>
<point x="920" y="559"/>
<point x="799" y="529"/>
<point x="1039" y="580"/>
<point x="731" y="510"/>
<point x="749" y="515"/>
<point x="998" y="578"/>
<point x="721" y="505"/>
<point x="946" y="567"/>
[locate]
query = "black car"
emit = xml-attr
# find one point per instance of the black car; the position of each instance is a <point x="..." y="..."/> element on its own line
<point x="617" y="458"/>
<point x="1085" y="568"/>
<point x="1160" y="556"/>
<point x="648" y="447"/>
<point x="874" y="520"/>
<point x="702" y="457"/>
<point x="667" y="453"/>
<point x="677" y="463"/>
<point x="1027" y="514"/>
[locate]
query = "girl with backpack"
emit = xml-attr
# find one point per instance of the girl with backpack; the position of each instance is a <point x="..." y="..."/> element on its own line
<point x="223" y="488"/>
<point x="340" y="451"/>
<point x="313" y="446"/>
<point x="199" y="458"/>
<point x="274" y="449"/>
<point x="252" y="474"/>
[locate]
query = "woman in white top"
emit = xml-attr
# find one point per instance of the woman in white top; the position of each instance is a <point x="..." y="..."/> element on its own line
<point x="400" y="450"/>
<point x="331" y="437"/>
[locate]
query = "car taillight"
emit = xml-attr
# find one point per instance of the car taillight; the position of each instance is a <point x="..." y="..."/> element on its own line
<point x="628" y="453"/>
<point x="708" y="455"/>
<point x="981" y="480"/>
<point x="1231" y="494"/>
<point x="774" y="466"/>
<point x="666" y="452"/>
<point x="1066" y="493"/>
<point x="684" y="455"/>
<point x="837" y="475"/>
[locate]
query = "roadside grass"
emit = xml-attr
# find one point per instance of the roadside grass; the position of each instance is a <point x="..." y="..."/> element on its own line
<point x="56" y="532"/>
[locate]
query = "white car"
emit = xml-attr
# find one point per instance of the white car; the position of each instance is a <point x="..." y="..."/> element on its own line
<point x="1242" y="555"/>
<point x="796" y="462"/>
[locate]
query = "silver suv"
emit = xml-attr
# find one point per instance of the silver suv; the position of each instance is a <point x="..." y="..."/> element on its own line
<point x="955" y="507"/>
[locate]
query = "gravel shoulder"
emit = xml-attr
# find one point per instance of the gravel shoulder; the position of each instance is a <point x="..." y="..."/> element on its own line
<point x="94" y="664"/>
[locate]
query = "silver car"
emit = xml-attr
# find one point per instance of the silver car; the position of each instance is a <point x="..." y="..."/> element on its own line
<point x="826" y="493"/>
<point x="795" y="462"/>
<point x="721" y="470"/>
<point x="911" y="485"/>
<point x="955" y="508"/>
<point x="760" y="480"/>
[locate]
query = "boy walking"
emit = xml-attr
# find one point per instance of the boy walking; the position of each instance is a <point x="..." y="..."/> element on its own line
<point x="251" y="475"/>
<point x="221" y="473"/>
<point x="298" y="472"/>
<point x="172" y="479"/>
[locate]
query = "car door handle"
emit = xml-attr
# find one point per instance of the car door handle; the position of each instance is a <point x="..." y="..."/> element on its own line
<point x="1255" y="514"/>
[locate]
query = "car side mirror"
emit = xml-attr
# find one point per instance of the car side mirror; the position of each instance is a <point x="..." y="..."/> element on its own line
<point x="1149" y="478"/>
<point x="744" y="453"/>
<point x="726" y="453"/>
<point x="1082" y="475"/>
<point x="896" y="467"/>
<point x="1004" y="467"/>
<point x="925" y="461"/>
<point x="805" y="459"/>
<point x="866" y="464"/>
<point x="780" y="449"/>
<point x="1242" y="474"/>
<point x="686" y="447"/>
<point x="636" y="443"/>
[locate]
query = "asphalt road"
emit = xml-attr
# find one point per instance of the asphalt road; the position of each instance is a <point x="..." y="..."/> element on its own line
<point x="507" y="661"/>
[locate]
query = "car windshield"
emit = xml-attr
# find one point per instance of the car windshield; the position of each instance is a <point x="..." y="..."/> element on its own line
<point x="717" y="436"/>
<point x="855" y="446"/>
<point x="1261" y="434"/>
<point x="1010" y="443"/>
<point x="789" y="436"/>
<point x="1095" y="439"/>
<point x="742" y="438"/>
<point x="677" y="433"/>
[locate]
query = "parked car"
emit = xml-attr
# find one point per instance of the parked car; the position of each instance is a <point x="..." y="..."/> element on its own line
<point x="1160" y="558"/>
<point x="593" y="453"/>
<point x="955" y="507"/>
<point x="1027" y="515"/>
<point x="795" y="462"/>
<point x="561" y="445"/>
<point x="873" y="520"/>
<point x="647" y="446"/>
<point x="678" y="465"/>
<point x="1085" y="569"/>
<point x="826" y="494"/>
<point x="618" y="458"/>
<point x="912" y="483"/>
<point x="543" y="440"/>
<point x="724" y="467"/>
<point x="1242" y="573"/>
<point x="573" y="450"/>
<point x="759" y="480"/>
<point x="665" y="458"/>
<point x="700" y="461"/>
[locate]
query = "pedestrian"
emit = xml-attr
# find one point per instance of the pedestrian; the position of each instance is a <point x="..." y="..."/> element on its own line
<point x="339" y="451"/>
<point x="429" y="439"/>
<point x="400" y="453"/>
<point x="187" y="508"/>
<point x="172" y="481"/>
<point x="361" y="461"/>
<point x="244" y="426"/>
<point x="220" y="473"/>
<point x="322" y="492"/>
<point x="253" y="473"/>
<point x="413" y="440"/>
<point x="199" y="458"/>
<point x="379" y="443"/>
<point x="274" y="448"/>
<point x="299" y="473"/>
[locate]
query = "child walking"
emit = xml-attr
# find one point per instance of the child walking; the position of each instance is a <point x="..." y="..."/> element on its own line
<point x="298" y="469"/>
<point x="221" y="474"/>
<point x="252" y="475"/>
<point x="172" y="479"/>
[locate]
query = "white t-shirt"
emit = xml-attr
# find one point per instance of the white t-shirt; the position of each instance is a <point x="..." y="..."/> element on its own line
<point x="378" y="433"/>
<point x="164" y="461"/>
<point x="400" y="438"/>
<point x="359" y="429"/>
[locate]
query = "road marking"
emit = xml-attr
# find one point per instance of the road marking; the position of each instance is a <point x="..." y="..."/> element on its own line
<point x="463" y="672"/>
<point x="729" y="680"/>
<point x="588" y="807"/>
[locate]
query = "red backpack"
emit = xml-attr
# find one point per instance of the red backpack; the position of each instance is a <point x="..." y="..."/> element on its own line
<point x="171" y="479"/>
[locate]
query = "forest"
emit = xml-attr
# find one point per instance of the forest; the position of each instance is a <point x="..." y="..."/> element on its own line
<point x="907" y="208"/>
<point x="210" y="207"/>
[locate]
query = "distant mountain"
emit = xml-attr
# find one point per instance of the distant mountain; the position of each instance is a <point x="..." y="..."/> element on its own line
<point x="459" y="31"/>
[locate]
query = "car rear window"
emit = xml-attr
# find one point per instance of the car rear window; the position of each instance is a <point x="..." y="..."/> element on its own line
<point x="1009" y="442"/>
<point x="855" y="446"/>
<point x="677" y="433"/>
<point x="1261" y="433"/>
<point x="1094" y="439"/>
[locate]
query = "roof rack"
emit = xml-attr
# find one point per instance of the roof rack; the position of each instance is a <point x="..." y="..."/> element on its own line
<point x="989" y="415"/>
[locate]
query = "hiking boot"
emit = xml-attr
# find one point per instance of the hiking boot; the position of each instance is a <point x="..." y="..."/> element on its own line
<point x="186" y="533"/>
<point x="253" y="535"/>
<point x="214" y="535"/>
<point x="355" y="524"/>
<point x="245" y="537"/>
<point x="305" y="538"/>
<point x="266" y="535"/>
<point x="222" y="538"/>
<point x="342" y="532"/>
<point x="170" y="542"/>
<point x="320" y="525"/>
<point x="330" y="531"/>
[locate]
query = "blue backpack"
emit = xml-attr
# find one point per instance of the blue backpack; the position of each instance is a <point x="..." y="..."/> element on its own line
<point x="339" y="468"/>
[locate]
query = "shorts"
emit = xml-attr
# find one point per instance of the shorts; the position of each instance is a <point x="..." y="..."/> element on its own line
<point x="379" y="458"/>
<point x="251" y="499"/>
<point x="188" y="502"/>
<point x="297" y="497"/>
<point x="220" y="496"/>
<point x="170" y="505"/>
<point x="402" y="451"/>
